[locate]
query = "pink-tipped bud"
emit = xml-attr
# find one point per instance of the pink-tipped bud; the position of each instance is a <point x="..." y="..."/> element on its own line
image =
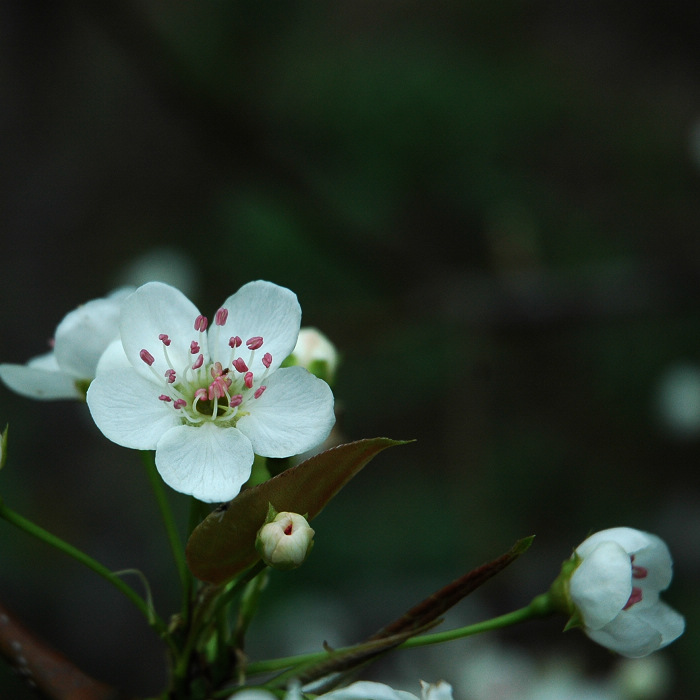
<point x="254" y="343"/>
<point x="285" y="542"/>
<point x="201" y="323"/>
<point x="267" y="360"/>
<point x="147" y="357"/>
<point x="221" y="316"/>
<point x="239" y="365"/>
<point x="164" y="339"/>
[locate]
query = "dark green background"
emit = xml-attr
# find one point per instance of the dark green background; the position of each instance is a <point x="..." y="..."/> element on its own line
<point x="491" y="208"/>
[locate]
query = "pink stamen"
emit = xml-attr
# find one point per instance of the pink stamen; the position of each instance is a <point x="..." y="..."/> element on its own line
<point x="194" y="347"/>
<point x="201" y="323"/>
<point x="288" y="529"/>
<point x="198" y="362"/>
<point x="634" y="598"/>
<point x="639" y="572"/>
<point x="236" y="400"/>
<point x="179" y="403"/>
<point x="147" y="357"/>
<point x="259" y="392"/>
<point x="221" y="316"/>
<point x="235" y="342"/>
<point x="267" y="360"/>
<point x="170" y="376"/>
<point x="165" y="397"/>
<point x="200" y="394"/>
<point x="248" y="379"/>
<point x="239" y="365"/>
<point x="254" y="343"/>
<point x="164" y="338"/>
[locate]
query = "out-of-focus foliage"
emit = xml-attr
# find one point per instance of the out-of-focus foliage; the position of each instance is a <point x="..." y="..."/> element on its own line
<point x="490" y="208"/>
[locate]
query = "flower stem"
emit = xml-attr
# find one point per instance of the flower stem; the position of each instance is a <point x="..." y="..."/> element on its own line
<point x="170" y="528"/>
<point x="541" y="606"/>
<point x="36" y="531"/>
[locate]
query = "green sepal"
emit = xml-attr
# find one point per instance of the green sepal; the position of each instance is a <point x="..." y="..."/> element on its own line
<point x="559" y="592"/>
<point x="223" y="544"/>
<point x="3" y="446"/>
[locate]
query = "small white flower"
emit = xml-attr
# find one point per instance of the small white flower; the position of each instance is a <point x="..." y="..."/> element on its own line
<point x="616" y="587"/>
<point x="79" y="341"/>
<point x="316" y="353"/>
<point x="208" y="399"/>
<point x="285" y="542"/>
<point x="360" y="690"/>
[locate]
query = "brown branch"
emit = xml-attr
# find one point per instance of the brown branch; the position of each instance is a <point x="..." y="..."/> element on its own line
<point x="50" y="673"/>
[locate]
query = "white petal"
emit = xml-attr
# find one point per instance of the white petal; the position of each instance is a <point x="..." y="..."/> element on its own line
<point x="629" y="635"/>
<point x="84" y="333"/>
<point x="368" y="690"/>
<point x="126" y="408"/>
<point x="112" y="358"/>
<point x="628" y="538"/>
<point x="152" y="310"/>
<point x="208" y="462"/>
<point x="436" y="691"/>
<point x="260" y="309"/>
<point x="601" y="585"/>
<point x="656" y="559"/>
<point x="37" y="383"/>
<point x="294" y="414"/>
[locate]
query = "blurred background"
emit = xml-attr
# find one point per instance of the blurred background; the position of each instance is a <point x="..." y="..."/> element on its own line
<point x="490" y="208"/>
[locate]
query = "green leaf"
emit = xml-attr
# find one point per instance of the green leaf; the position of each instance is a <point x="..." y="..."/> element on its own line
<point x="223" y="544"/>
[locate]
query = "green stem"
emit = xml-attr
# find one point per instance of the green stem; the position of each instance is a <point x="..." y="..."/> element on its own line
<point x="36" y="531"/>
<point x="170" y="528"/>
<point x="541" y="606"/>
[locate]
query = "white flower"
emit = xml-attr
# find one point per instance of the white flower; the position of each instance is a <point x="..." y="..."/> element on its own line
<point x="316" y="353"/>
<point x="616" y="587"/>
<point x="208" y="399"/>
<point x="285" y="542"/>
<point x="79" y="341"/>
<point x="360" y="690"/>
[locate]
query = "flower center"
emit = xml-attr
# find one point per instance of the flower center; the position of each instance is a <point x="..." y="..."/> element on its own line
<point x="638" y="572"/>
<point x="211" y="389"/>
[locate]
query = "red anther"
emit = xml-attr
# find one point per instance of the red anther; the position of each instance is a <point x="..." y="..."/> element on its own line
<point x="235" y="342"/>
<point x="165" y="397"/>
<point x="221" y="316"/>
<point x="201" y="323"/>
<point x="288" y="530"/>
<point x="164" y="338"/>
<point x="267" y="360"/>
<point x="147" y="357"/>
<point x="236" y="400"/>
<point x="179" y="403"/>
<point x="254" y="343"/>
<point x="248" y="380"/>
<point x="194" y="347"/>
<point x="198" y="362"/>
<point x="239" y="365"/>
<point x="259" y="392"/>
<point x="639" y="572"/>
<point x="201" y="394"/>
<point x="635" y="597"/>
<point x="170" y="376"/>
<point x="216" y="370"/>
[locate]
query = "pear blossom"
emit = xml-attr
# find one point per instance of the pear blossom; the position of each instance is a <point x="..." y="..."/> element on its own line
<point x="360" y="690"/>
<point x="316" y="353"/>
<point x="208" y="397"/>
<point x="285" y="541"/>
<point x="615" y="589"/>
<point x="79" y="341"/>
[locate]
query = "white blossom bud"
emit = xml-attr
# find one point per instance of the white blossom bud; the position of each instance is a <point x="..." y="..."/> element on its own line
<point x="316" y="353"/>
<point x="285" y="542"/>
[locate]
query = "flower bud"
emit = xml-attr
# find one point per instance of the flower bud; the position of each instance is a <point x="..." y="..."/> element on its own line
<point x="285" y="541"/>
<point x="315" y="353"/>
